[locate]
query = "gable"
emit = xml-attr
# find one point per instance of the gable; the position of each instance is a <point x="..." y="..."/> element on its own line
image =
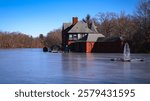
<point x="66" y="25"/>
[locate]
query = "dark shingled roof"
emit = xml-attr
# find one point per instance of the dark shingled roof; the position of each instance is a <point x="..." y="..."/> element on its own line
<point x="80" y="27"/>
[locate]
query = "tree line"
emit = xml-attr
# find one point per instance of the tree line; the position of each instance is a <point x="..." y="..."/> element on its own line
<point x="134" y="28"/>
<point x="18" y="40"/>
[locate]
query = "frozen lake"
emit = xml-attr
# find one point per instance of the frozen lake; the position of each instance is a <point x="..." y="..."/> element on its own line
<point x="32" y="66"/>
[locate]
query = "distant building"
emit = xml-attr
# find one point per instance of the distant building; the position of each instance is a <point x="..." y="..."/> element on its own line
<point x="77" y="37"/>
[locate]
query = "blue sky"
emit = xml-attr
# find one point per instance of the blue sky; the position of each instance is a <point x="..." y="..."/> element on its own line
<point x="34" y="17"/>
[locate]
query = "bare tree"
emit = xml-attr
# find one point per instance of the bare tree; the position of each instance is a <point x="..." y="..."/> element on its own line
<point x="105" y="22"/>
<point x="54" y="38"/>
<point x="18" y="40"/>
<point x="124" y="26"/>
<point x="142" y="19"/>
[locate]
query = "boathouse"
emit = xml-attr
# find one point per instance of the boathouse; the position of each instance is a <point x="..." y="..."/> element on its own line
<point x="77" y="37"/>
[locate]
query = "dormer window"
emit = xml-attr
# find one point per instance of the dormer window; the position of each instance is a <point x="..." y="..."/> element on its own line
<point x="73" y="37"/>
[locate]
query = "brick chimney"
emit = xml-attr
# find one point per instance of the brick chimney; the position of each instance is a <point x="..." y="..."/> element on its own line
<point x="74" y="20"/>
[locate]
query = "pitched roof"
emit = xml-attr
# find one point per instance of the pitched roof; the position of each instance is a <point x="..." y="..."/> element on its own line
<point x="66" y="25"/>
<point x="80" y="27"/>
<point x="94" y="37"/>
<point x="94" y="28"/>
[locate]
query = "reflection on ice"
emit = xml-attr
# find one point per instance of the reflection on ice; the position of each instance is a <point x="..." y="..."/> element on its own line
<point x="24" y="66"/>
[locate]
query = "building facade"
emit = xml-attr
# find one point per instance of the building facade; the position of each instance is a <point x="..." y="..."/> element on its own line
<point x="77" y="37"/>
